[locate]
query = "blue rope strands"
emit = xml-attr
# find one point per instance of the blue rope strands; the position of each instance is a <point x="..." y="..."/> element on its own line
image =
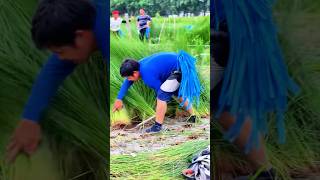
<point x="190" y="87"/>
<point x="256" y="81"/>
<point x="147" y="34"/>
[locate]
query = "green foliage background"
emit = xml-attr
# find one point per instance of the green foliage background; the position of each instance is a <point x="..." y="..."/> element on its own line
<point x="162" y="7"/>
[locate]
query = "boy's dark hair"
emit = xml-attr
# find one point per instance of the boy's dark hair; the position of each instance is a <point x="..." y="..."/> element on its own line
<point x="56" y="21"/>
<point x="128" y="66"/>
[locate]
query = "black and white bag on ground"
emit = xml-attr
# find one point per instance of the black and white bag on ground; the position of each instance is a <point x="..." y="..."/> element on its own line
<point x="199" y="169"/>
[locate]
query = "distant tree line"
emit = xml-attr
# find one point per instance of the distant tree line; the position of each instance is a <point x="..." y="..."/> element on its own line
<point x="161" y="7"/>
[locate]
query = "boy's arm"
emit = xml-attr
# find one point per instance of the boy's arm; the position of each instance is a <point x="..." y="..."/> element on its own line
<point x="110" y="23"/>
<point x="124" y="88"/>
<point x="149" y="21"/>
<point x="48" y="81"/>
<point x="27" y="134"/>
<point x="137" y="22"/>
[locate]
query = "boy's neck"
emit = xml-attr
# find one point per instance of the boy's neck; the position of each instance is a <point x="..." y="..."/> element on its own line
<point x="95" y="46"/>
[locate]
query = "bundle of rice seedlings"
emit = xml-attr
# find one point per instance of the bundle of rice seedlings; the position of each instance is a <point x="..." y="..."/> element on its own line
<point x="41" y="165"/>
<point x="119" y="118"/>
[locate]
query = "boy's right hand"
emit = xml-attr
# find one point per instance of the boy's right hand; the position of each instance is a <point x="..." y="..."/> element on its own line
<point x="117" y="105"/>
<point x="26" y="138"/>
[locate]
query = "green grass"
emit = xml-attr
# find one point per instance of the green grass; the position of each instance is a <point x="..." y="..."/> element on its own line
<point x="174" y="29"/>
<point x="164" y="164"/>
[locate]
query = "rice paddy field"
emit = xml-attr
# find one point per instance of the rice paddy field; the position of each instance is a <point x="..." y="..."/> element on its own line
<point x="162" y="156"/>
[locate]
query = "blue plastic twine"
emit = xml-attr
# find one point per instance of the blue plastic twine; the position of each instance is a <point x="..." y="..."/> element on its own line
<point x="190" y="87"/>
<point x="256" y="80"/>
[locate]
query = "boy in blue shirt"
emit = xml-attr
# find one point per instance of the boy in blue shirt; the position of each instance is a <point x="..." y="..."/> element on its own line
<point x="72" y="31"/>
<point x="160" y="72"/>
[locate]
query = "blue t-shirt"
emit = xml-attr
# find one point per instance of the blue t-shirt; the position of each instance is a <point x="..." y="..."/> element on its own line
<point x="55" y="71"/>
<point x="154" y="70"/>
<point x="142" y="21"/>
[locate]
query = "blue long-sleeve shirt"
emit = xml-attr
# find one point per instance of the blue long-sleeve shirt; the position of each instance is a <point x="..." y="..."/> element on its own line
<point x="154" y="70"/>
<point x="55" y="71"/>
<point x="218" y="12"/>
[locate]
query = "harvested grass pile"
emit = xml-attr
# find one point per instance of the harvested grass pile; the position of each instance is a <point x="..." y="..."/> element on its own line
<point x="164" y="164"/>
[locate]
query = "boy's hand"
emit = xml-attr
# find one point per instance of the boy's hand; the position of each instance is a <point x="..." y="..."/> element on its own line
<point x="117" y="105"/>
<point x="25" y="139"/>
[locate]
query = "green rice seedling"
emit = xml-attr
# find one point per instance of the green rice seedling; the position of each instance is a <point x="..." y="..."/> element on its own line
<point x="41" y="165"/>
<point x="119" y="117"/>
<point x="165" y="164"/>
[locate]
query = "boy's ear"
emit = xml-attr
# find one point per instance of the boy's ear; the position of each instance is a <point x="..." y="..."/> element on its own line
<point x="136" y="72"/>
<point x="80" y="33"/>
<point x="79" y="37"/>
<point x="82" y="37"/>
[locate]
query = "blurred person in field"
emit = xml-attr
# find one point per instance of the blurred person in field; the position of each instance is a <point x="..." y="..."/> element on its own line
<point x="143" y="25"/>
<point x="115" y="23"/>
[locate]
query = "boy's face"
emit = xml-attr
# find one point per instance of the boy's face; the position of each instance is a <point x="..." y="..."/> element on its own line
<point x="141" y="12"/>
<point x="135" y="76"/>
<point x="80" y="52"/>
<point x="115" y="16"/>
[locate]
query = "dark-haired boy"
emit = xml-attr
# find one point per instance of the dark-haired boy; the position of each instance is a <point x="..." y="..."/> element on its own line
<point x="160" y="72"/>
<point x="72" y="31"/>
